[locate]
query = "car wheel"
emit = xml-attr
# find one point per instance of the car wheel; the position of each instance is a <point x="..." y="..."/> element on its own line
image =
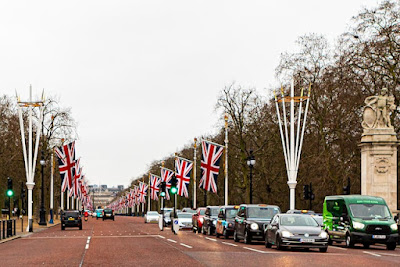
<point x="97" y="218"/>
<point x="63" y="228"/>
<point x="366" y="245"/>
<point x="226" y="235"/>
<point x="113" y="219"/>
<point x="235" y="237"/>
<point x="349" y="241"/>
<point x="194" y="230"/>
<point x="80" y="227"/>
<point x="247" y="238"/>
<point x="203" y="230"/>
<point x="330" y="242"/>
<point x="209" y="232"/>
<point x="217" y="234"/>
<point x="267" y="244"/>
<point x="278" y="243"/>
<point x="323" y="249"/>
<point x="391" y="246"/>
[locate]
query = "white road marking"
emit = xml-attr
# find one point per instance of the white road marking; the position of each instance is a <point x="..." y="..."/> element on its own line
<point x="373" y="254"/>
<point x="230" y="244"/>
<point x="186" y="245"/>
<point x="89" y="237"/>
<point x="87" y="246"/>
<point x="256" y="250"/>
<point x="173" y="241"/>
<point x="388" y="254"/>
<point x="212" y="239"/>
<point x="160" y="236"/>
<point x="338" y="247"/>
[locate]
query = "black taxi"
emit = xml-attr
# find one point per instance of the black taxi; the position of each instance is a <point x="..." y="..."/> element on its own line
<point x="226" y="221"/>
<point x="71" y="218"/>
<point x="251" y="221"/>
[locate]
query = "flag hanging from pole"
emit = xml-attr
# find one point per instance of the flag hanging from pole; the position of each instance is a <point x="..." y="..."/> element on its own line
<point x="210" y="158"/>
<point x="166" y="176"/>
<point x="142" y="192"/>
<point x="66" y="163"/>
<point x="183" y="170"/>
<point x="155" y="182"/>
<point x="136" y="189"/>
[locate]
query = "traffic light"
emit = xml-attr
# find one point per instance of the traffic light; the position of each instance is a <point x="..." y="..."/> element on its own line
<point x="346" y="189"/>
<point x="9" y="191"/>
<point x="306" y="192"/>
<point x="163" y="188"/>
<point x="174" y="182"/>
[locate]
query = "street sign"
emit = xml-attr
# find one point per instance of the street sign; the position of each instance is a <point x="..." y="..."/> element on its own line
<point x="175" y="226"/>
<point x="161" y="222"/>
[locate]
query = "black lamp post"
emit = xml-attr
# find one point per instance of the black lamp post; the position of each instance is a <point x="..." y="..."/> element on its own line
<point x="250" y="162"/>
<point x="42" y="209"/>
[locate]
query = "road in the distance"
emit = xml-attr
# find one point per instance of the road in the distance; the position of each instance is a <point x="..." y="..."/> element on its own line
<point x="129" y="241"/>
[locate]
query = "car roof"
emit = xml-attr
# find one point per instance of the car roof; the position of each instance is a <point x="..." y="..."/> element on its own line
<point x="259" y="205"/>
<point x="358" y="199"/>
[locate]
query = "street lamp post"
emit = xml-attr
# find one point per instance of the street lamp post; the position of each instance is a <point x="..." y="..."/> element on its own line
<point x="250" y="162"/>
<point x="42" y="209"/>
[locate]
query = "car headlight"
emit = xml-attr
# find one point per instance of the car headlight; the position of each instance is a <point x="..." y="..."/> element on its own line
<point x="323" y="234"/>
<point x="358" y="225"/>
<point x="201" y="220"/>
<point x="286" y="234"/>
<point x="254" y="226"/>
<point x="394" y="227"/>
<point x="214" y="222"/>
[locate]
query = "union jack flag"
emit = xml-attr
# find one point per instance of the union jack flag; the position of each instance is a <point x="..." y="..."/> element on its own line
<point x="77" y="177"/>
<point x="166" y="176"/>
<point x="210" y="157"/>
<point x="183" y="170"/>
<point x="66" y="163"/>
<point x="142" y="192"/>
<point x="131" y="198"/>
<point x="137" y="199"/>
<point x="155" y="182"/>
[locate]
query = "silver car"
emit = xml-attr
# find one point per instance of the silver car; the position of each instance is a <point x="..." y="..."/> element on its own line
<point x="151" y="216"/>
<point x="185" y="220"/>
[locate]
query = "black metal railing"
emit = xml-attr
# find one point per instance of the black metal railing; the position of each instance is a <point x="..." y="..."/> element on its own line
<point x="8" y="228"/>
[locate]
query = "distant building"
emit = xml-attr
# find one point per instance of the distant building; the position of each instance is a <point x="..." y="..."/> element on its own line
<point x="104" y="187"/>
<point x="120" y="187"/>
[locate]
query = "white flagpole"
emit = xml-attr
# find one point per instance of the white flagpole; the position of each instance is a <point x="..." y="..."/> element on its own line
<point x="62" y="199"/>
<point x="304" y="125"/>
<point x="67" y="201"/>
<point x="292" y="180"/>
<point x="194" y="174"/>
<point x="149" y="195"/>
<point x="51" y="185"/>
<point x="282" y="136"/>
<point x="226" y="159"/>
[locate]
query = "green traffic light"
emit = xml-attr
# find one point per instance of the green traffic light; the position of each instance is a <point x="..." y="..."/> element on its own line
<point x="162" y="194"/>
<point x="174" y="190"/>
<point x="10" y="193"/>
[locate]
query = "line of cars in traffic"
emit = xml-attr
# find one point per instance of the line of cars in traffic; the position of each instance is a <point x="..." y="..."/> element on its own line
<point x="350" y="219"/>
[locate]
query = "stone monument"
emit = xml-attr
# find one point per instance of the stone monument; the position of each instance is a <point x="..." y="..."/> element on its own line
<point x="379" y="149"/>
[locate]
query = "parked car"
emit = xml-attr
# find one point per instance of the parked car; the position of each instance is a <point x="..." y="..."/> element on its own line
<point x="184" y="220"/>
<point x="71" y="218"/>
<point x="251" y="220"/>
<point x="108" y="214"/>
<point x="99" y="213"/>
<point x="360" y="219"/>
<point x="226" y="221"/>
<point x="197" y="219"/>
<point x="189" y="210"/>
<point x="295" y="231"/>
<point x="210" y="220"/>
<point x="300" y="212"/>
<point x="151" y="216"/>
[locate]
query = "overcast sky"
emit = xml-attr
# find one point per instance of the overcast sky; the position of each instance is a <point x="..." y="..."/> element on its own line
<point x="142" y="77"/>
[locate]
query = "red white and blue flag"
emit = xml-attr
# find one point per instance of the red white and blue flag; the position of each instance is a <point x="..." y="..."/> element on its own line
<point x="77" y="178"/>
<point x="155" y="182"/>
<point x="210" y="158"/>
<point x="183" y="170"/>
<point x="66" y="164"/>
<point x="166" y="176"/>
<point x="142" y="192"/>
<point x="137" y="199"/>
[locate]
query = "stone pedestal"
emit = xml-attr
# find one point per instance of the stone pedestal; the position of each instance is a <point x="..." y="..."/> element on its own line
<point x="379" y="165"/>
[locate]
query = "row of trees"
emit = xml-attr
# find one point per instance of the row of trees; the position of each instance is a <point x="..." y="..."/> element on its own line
<point x="58" y="127"/>
<point x="365" y="59"/>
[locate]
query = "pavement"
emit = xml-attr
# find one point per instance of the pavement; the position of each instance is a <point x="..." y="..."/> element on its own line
<point x="129" y="241"/>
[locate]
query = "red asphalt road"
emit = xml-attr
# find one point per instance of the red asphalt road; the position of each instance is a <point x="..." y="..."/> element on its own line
<point x="129" y="241"/>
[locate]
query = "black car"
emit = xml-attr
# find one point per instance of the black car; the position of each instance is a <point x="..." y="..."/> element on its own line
<point x="210" y="220"/>
<point x="226" y="221"/>
<point x="294" y="231"/>
<point x="71" y="218"/>
<point x="251" y="221"/>
<point x="108" y="214"/>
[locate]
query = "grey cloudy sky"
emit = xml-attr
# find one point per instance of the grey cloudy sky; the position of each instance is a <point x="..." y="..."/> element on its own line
<point x="142" y="77"/>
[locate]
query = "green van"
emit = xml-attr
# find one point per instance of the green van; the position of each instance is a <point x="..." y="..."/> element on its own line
<point x="359" y="219"/>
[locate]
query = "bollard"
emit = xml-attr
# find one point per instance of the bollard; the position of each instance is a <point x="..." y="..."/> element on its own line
<point x="15" y="227"/>
<point x="22" y="223"/>
<point x="0" y="231"/>
<point x="4" y="229"/>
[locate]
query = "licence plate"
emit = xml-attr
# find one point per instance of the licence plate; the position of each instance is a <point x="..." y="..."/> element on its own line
<point x="307" y="240"/>
<point x="378" y="236"/>
<point x="108" y="215"/>
<point x="70" y="219"/>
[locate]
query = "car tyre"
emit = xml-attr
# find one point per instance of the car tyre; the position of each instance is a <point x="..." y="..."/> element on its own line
<point x="209" y="231"/>
<point x="267" y="244"/>
<point x="62" y="228"/>
<point x="391" y="246"/>
<point x="203" y="230"/>
<point x="247" y="238"/>
<point x="366" y="245"/>
<point x="235" y="237"/>
<point x="194" y="229"/>
<point x="330" y="242"/>
<point x="217" y="234"/>
<point x="349" y="241"/>
<point x="226" y="235"/>
<point x="80" y="227"/>
<point x="323" y="249"/>
<point x="279" y="243"/>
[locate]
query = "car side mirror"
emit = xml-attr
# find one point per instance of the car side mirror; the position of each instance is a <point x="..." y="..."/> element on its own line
<point x="396" y="218"/>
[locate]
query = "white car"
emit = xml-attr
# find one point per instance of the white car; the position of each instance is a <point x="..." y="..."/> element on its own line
<point x="185" y="220"/>
<point x="151" y="216"/>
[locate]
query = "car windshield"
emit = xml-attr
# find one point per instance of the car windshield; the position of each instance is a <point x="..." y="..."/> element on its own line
<point x="107" y="210"/>
<point x="152" y="213"/>
<point x="202" y="212"/>
<point x="214" y="212"/>
<point x="185" y="215"/>
<point x="98" y="211"/>
<point x="70" y="214"/>
<point x="299" y="220"/>
<point x="231" y="213"/>
<point x="370" y="211"/>
<point x="262" y="212"/>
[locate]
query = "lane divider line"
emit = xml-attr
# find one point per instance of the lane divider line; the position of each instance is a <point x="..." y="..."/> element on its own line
<point x="160" y="236"/>
<point x="171" y="240"/>
<point x="256" y="250"/>
<point x="338" y="247"/>
<point x="373" y="254"/>
<point x="229" y="244"/>
<point x="87" y="246"/>
<point x="186" y="245"/>
<point x="212" y="239"/>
